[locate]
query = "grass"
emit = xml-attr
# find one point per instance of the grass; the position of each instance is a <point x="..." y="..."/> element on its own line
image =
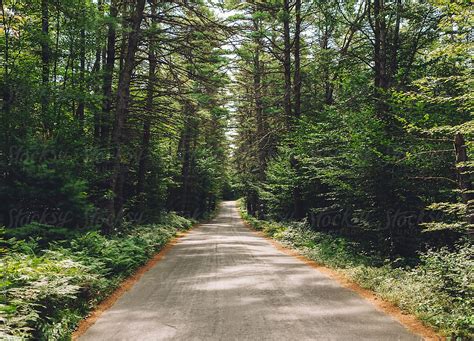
<point x="49" y="287"/>
<point x="438" y="290"/>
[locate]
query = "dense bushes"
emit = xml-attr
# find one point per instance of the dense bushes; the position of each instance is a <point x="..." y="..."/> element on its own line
<point x="351" y="146"/>
<point x="42" y="233"/>
<point x="46" y="292"/>
<point x="437" y="289"/>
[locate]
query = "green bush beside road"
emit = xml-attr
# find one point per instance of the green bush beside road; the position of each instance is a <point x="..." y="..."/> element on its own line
<point x="49" y="286"/>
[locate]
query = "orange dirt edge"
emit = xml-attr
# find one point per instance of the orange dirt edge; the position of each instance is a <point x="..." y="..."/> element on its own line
<point x="126" y="285"/>
<point x="409" y="321"/>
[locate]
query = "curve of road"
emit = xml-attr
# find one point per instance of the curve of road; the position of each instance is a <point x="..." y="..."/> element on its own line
<point x="223" y="282"/>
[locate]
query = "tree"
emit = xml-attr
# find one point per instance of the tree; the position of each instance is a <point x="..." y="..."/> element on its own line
<point x="356" y="142"/>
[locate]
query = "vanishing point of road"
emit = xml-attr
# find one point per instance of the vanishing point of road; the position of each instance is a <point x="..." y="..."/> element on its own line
<point x="224" y="282"/>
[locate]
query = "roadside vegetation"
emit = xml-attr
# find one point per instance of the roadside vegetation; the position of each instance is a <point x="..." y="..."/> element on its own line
<point x="111" y="116"/>
<point x="347" y="125"/>
<point x="49" y="286"/>
<point x="437" y="288"/>
<point x="354" y="143"/>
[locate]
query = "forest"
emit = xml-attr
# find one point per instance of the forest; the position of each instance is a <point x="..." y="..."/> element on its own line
<point x="345" y="128"/>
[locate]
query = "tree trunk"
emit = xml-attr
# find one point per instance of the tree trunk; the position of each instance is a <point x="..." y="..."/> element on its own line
<point x="395" y="45"/>
<point x="380" y="48"/>
<point x="45" y="57"/>
<point x="186" y="151"/>
<point x="123" y="96"/>
<point x="108" y="76"/>
<point x="297" y="54"/>
<point x="258" y="100"/>
<point x="261" y="132"/>
<point x="287" y="63"/>
<point x="328" y="86"/>
<point x="464" y="180"/>
<point x="144" y="156"/>
<point x="5" y="173"/>
<point x="82" y="70"/>
<point x="298" y="211"/>
<point x="381" y="79"/>
<point x="96" y="86"/>
<point x="56" y="60"/>
<point x="96" y="72"/>
<point x="145" y="148"/>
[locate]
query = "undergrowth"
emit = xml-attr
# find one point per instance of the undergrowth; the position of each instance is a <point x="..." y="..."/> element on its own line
<point x="438" y="290"/>
<point x="48" y="288"/>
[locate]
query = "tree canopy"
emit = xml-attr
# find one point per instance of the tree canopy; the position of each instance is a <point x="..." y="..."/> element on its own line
<point x="357" y="115"/>
<point x="351" y="118"/>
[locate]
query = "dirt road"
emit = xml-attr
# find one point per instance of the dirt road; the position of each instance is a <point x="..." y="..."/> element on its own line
<point x="223" y="282"/>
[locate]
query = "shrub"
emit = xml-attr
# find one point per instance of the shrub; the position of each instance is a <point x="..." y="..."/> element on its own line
<point x="36" y="286"/>
<point x="41" y="232"/>
<point x="438" y="289"/>
<point x="47" y="292"/>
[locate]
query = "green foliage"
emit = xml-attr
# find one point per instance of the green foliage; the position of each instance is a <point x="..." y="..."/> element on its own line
<point x="437" y="289"/>
<point x="41" y="233"/>
<point x="47" y="292"/>
<point x="371" y="160"/>
<point x="45" y="184"/>
<point x="35" y="287"/>
<point x="58" y="112"/>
